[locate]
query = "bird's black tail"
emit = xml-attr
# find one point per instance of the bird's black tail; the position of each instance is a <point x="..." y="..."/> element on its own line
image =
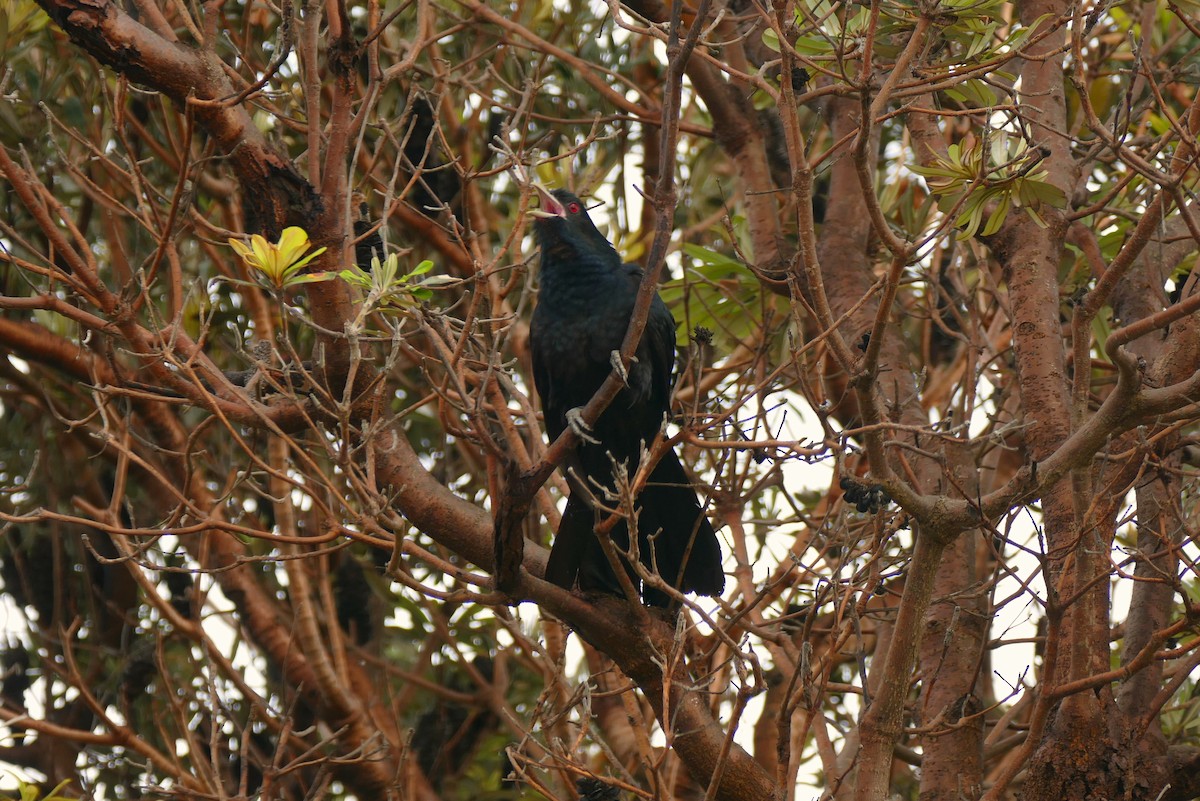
<point x="671" y="522"/>
<point x="574" y="543"/>
<point x="674" y="536"/>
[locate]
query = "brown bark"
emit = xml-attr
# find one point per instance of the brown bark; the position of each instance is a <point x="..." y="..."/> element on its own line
<point x="952" y="651"/>
<point x="736" y="129"/>
<point x="274" y="194"/>
<point x="607" y="625"/>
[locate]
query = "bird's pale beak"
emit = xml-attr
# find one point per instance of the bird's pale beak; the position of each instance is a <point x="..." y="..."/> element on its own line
<point x="548" y="205"/>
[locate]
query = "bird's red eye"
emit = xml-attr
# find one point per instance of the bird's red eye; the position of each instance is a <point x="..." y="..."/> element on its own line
<point x="574" y="207"/>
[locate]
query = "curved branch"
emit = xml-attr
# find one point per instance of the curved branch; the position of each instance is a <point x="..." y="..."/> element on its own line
<point x="275" y="194"/>
<point x="466" y="529"/>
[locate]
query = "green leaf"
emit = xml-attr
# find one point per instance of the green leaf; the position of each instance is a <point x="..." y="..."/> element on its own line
<point x="711" y="257"/>
<point x="357" y="276"/>
<point x="422" y="268"/>
<point x="384" y="273"/>
<point x="439" y="281"/>
<point x="977" y="94"/>
<point x="971" y="214"/>
<point x="309" y="278"/>
<point x="813" y="46"/>
<point x="1043" y="192"/>
<point x="1017" y="38"/>
<point x="998" y="215"/>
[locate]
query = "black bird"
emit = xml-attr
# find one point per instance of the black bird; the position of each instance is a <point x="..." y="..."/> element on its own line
<point x="584" y="306"/>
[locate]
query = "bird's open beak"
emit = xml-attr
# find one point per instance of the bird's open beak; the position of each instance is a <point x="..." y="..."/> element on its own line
<point x="548" y="205"/>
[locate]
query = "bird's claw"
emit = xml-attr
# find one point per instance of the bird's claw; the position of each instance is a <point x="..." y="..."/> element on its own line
<point x="576" y="423"/>
<point x="619" y="368"/>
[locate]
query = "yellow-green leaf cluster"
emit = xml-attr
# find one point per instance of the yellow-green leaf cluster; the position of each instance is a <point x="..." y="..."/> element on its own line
<point x="984" y="183"/>
<point x="277" y="265"/>
<point x="386" y="288"/>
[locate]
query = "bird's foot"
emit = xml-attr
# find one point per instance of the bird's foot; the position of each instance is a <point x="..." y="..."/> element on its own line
<point x="582" y="430"/>
<point x="615" y="359"/>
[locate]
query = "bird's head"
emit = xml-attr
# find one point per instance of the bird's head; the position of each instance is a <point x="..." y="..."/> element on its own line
<point x="562" y="226"/>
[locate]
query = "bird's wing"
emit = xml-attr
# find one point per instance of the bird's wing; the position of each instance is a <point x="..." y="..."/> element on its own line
<point x="542" y="380"/>
<point x="651" y="376"/>
<point x="659" y="342"/>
